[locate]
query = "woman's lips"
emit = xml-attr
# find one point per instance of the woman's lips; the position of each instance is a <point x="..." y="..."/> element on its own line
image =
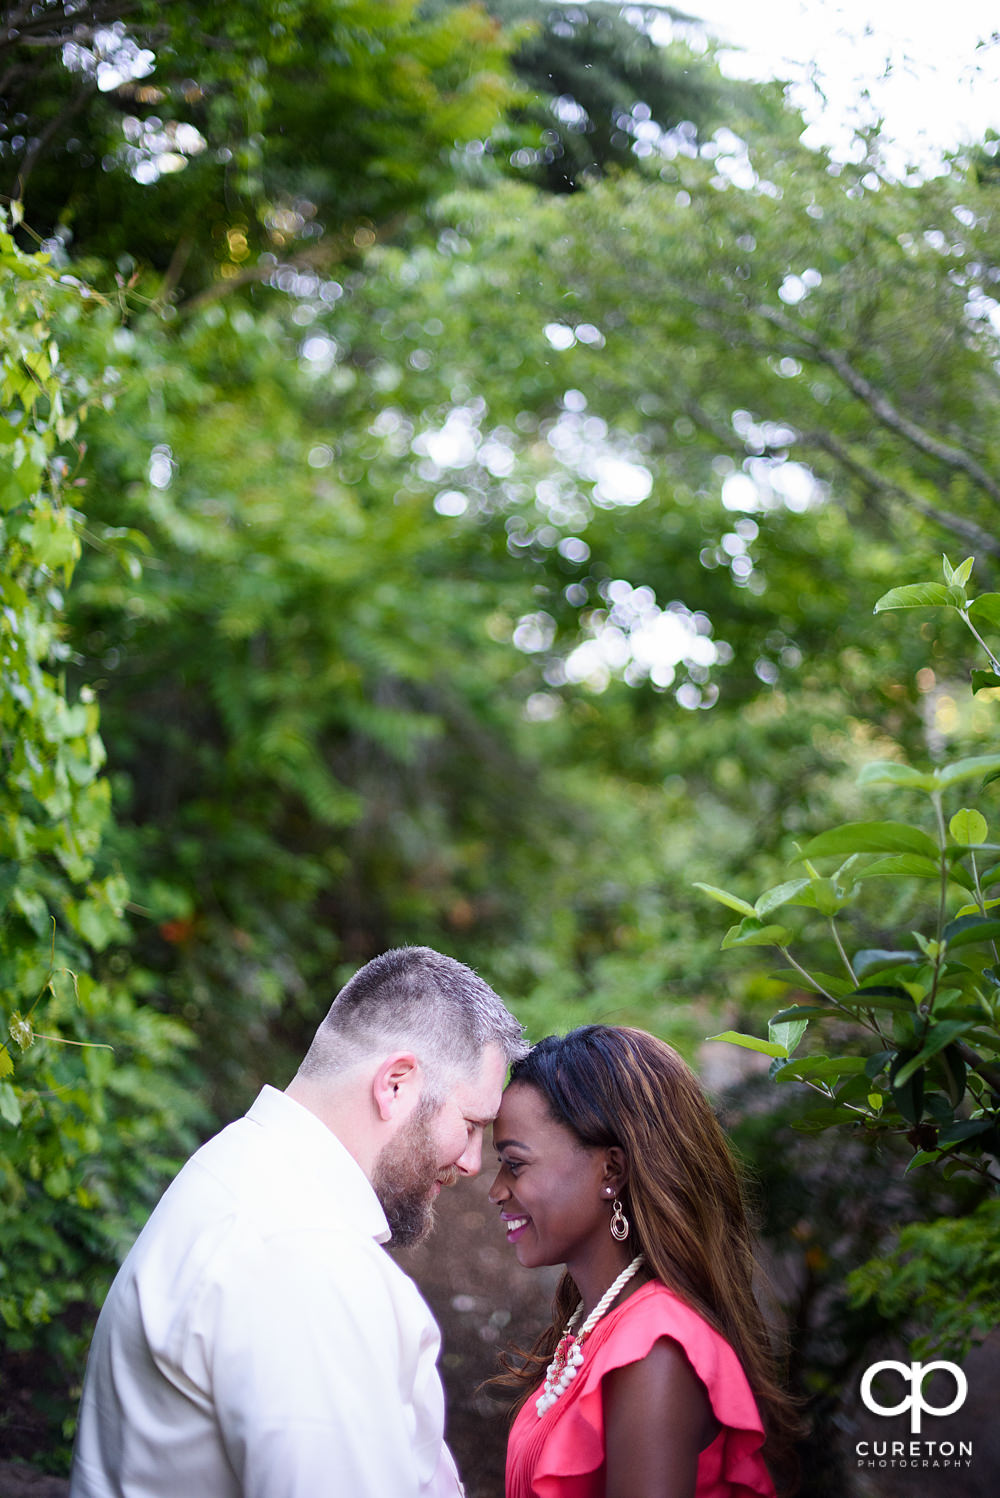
<point x="514" y="1224"/>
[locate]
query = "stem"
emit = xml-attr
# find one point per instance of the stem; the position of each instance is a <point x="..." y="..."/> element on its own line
<point x="810" y="979"/>
<point x="942" y="841"/>
<point x="992" y="658"/>
<point x="843" y="954"/>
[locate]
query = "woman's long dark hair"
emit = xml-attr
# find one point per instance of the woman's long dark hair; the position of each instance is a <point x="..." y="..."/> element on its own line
<point x="614" y="1086"/>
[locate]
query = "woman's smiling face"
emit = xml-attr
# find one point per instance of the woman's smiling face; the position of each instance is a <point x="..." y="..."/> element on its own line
<point x="553" y="1192"/>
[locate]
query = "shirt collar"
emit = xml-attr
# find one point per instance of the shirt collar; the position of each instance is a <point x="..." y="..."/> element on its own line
<point x="320" y="1151"/>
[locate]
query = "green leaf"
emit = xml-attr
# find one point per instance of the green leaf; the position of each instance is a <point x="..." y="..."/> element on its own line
<point x="750" y="1043"/>
<point x="909" y="1094"/>
<point x="877" y="959"/>
<point x="10" y="1104"/>
<point x="922" y="1157"/>
<point x="968" y="827"/>
<point x="871" y="837"/>
<point x="961" y="574"/>
<point x="986" y="609"/>
<point x="983" y="679"/>
<point x="970" y="928"/>
<point x="787" y="1033"/>
<point x="910" y="866"/>
<point x="725" y="898"/>
<point x="938" y="1037"/>
<point x="914" y="596"/>
<point x="964" y="1128"/>
<point x="967" y="769"/>
<point x="818" y="983"/>
<point x="823" y="1068"/>
<point x="806" y="1012"/>
<point x="753" y="933"/>
<point x="781" y="894"/>
<point x="891" y="772"/>
<point x="894" y="1000"/>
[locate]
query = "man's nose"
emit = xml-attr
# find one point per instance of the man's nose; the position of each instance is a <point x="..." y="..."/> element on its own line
<point x="470" y="1161"/>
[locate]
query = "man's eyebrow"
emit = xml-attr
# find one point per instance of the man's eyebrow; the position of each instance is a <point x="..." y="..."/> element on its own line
<point x="479" y="1123"/>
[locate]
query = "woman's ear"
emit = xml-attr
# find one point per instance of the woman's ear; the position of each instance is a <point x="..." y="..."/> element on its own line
<point x="615" y="1177"/>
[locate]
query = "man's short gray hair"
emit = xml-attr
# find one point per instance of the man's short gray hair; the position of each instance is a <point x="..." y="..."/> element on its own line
<point x="420" y="1000"/>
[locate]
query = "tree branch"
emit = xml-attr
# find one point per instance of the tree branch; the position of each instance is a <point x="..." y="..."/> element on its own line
<point x="882" y="408"/>
<point x="968" y="530"/>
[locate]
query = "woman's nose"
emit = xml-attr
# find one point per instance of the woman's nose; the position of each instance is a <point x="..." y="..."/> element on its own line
<point x="498" y="1191"/>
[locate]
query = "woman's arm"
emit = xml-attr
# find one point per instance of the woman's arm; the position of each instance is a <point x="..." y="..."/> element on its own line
<point x="657" y="1418"/>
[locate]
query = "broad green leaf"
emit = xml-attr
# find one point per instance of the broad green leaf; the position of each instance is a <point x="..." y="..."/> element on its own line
<point x="10" y="1104"/>
<point x="910" y="866"/>
<point x="753" y="933"/>
<point x="781" y="894"/>
<point x="983" y="679"/>
<point x="871" y="837"/>
<point x="725" y="898"/>
<point x="891" y="772"/>
<point x="986" y="609"/>
<point x="939" y="1036"/>
<point x="975" y="910"/>
<point x="818" y="983"/>
<point x="967" y="769"/>
<point x="965" y="1128"/>
<point x="823" y="1068"/>
<point x="6" y="1062"/>
<point x="968" y="826"/>
<point x="806" y="1012"/>
<point x="908" y="1095"/>
<point x="922" y="1157"/>
<point x="913" y="596"/>
<point x="970" y="928"/>
<point x="787" y="1033"/>
<point x="877" y="959"/>
<point x="750" y="1043"/>
<point x="893" y="1000"/>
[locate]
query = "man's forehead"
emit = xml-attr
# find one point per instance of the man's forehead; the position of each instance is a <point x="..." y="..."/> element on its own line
<point x="479" y="1096"/>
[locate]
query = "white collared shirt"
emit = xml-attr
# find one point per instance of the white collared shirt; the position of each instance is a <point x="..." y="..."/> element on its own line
<point x="258" y="1342"/>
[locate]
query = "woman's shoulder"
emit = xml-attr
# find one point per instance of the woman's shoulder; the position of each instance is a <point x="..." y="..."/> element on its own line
<point x="655" y="1311"/>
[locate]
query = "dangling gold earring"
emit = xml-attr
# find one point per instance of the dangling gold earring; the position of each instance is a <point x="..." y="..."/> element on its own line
<point x="619" y="1222"/>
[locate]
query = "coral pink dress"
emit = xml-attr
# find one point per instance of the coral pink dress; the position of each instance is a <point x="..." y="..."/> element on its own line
<point x="561" y="1455"/>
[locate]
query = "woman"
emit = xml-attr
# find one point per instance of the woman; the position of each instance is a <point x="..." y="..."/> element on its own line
<point x="659" y="1384"/>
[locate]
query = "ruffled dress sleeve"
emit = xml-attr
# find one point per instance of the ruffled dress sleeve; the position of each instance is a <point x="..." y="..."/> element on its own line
<point x="561" y="1454"/>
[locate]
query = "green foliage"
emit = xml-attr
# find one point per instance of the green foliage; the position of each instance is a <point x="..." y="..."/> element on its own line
<point x="928" y="999"/>
<point x="598" y="90"/>
<point x="93" y="1110"/>
<point x="193" y="137"/>
<point x="944" y="1276"/>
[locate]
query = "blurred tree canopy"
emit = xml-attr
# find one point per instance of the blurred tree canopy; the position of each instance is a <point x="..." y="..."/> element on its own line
<point x="448" y="557"/>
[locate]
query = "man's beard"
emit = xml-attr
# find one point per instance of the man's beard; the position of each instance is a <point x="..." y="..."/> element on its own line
<point x="404" y="1174"/>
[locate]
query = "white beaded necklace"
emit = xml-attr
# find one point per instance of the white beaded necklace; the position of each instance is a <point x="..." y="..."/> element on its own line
<point x="568" y="1355"/>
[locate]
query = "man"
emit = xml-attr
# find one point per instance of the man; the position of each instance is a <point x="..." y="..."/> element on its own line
<point x="258" y="1341"/>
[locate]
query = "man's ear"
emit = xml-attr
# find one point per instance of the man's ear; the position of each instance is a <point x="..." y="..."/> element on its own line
<point x="615" y="1175"/>
<point x="396" y="1085"/>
